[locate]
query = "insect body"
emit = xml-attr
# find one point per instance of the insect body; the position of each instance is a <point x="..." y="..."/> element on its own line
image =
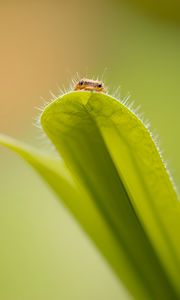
<point x="89" y="85"/>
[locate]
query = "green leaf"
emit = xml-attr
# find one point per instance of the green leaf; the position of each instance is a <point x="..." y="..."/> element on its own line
<point x="116" y="186"/>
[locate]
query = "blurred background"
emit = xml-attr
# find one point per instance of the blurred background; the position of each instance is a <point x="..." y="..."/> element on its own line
<point x="43" y="252"/>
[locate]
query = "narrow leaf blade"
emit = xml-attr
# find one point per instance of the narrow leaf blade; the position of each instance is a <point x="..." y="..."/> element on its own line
<point x="86" y="130"/>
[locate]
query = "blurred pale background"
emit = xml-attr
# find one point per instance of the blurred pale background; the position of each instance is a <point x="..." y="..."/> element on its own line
<point x="43" y="252"/>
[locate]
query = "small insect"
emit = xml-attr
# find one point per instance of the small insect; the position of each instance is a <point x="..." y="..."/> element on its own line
<point x="89" y="85"/>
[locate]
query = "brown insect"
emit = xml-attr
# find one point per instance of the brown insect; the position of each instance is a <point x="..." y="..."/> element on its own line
<point x="89" y="85"/>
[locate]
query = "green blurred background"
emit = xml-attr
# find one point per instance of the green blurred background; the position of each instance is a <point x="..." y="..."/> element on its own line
<point x="43" y="252"/>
